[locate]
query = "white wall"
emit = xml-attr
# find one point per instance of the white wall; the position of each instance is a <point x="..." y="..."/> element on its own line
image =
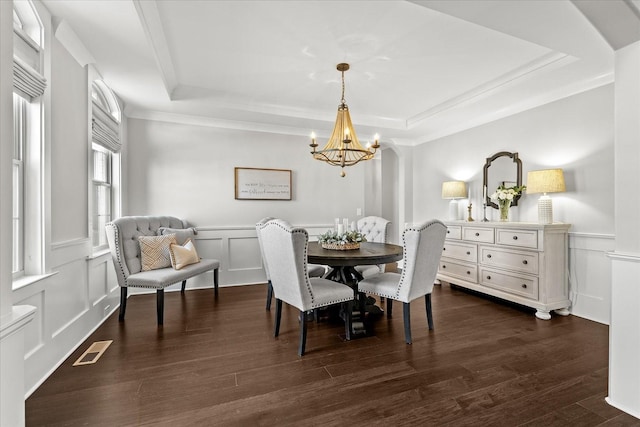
<point x="188" y="171"/>
<point x="68" y="145"/>
<point x="575" y="134"/>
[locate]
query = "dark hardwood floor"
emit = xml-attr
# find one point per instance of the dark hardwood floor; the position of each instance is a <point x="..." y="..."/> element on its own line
<point x="217" y="363"/>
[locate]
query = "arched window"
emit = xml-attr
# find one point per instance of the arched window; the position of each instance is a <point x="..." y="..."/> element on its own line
<point x="105" y="165"/>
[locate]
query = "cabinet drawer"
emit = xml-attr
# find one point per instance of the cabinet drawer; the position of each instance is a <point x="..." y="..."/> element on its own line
<point x="521" y="238"/>
<point x="461" y="251"/>
<point x="454" y="232"/>
<point x="468" y="272"/>
<point x="484" y="235"/>
<point x="513" y="283"/>
<point x="523" y="261"/>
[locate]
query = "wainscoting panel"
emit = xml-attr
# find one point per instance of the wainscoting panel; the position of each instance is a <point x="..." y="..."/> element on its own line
<point x="66" y="294"/>
<point x="97" y="282"/>
<point x="34" y="331"/>
<point x="590" y="275"/>
<point x="71" y="303"/>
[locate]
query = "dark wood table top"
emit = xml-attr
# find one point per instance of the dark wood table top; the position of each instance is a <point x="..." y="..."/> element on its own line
<point x="369" y="253"/>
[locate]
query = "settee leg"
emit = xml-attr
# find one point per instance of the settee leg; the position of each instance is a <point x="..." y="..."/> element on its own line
<point x="215" y="282"/>
<point x="123" y="303"/>
<point x="184" y="284"/>
<point x="160" y="306"/>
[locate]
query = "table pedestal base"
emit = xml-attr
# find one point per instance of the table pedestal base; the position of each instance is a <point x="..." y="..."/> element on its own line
<point x="365" y="306"/>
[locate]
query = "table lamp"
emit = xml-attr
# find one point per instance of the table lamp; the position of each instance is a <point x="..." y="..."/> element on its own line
<point x="545" y="181"/>
<point x="454" y="190"/>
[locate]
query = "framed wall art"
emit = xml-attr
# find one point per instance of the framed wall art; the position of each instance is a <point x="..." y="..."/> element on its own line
<point x="262" y="184"/>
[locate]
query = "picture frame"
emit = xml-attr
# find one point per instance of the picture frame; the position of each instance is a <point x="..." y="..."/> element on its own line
<point x="262" y="184"/>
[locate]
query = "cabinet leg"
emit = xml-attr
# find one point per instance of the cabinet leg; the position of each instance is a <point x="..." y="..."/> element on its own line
<point x="563" y="311"/>
<point x="544" y="315"/>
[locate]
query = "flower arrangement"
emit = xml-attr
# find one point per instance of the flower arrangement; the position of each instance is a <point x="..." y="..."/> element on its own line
<point x="504" y="196"/>
<point x="350" y="239"/>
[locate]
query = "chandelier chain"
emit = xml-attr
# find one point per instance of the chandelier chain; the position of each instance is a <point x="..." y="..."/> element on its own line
<point x="342" y="100"/>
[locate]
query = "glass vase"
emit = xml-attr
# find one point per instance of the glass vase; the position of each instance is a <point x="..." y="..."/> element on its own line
<point x="504" y="206"/>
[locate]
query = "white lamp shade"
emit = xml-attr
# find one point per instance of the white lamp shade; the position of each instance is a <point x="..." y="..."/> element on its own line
<point x="454" y="190"/>
<point x="545" y="181"/>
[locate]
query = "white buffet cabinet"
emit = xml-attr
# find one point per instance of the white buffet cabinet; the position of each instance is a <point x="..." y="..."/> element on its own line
<point x="525" y="263"/>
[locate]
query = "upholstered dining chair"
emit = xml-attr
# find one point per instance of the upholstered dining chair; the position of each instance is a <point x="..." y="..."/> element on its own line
<point x="313" y="269"/>
<point x="422" y="245"/>
<point x="374" y="229"/>
<point x="285" y="251"/>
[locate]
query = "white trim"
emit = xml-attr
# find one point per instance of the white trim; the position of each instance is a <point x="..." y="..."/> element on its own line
<point x="152" y="25"/>
<point x="624" y="256"/>
<point x="12" y="322"/>
<point x="70" y="40"/>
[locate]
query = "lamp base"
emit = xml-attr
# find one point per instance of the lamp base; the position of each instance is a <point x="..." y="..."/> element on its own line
<point x="453" y="210"/>
<point x="545" y="210"/>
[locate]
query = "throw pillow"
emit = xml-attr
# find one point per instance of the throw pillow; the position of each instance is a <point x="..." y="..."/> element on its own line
<point x="154" y="251"/>
<point x="182" y="234"/>
<point x="184" y="255"/>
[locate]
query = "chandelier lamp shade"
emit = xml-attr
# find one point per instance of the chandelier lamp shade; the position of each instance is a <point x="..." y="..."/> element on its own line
<point x="343" y="148"/>
<point x="545" y="181"/>
<point x="454" y="190"/>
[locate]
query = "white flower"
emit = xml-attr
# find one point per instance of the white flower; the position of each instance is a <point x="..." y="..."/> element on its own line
<point x="503" y="195"/>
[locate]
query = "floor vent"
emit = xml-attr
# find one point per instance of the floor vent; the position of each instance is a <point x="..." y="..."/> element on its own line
<point x="93" y="353"/>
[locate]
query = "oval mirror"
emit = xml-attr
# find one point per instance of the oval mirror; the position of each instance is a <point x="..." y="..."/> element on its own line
<point x="503" y="168"/>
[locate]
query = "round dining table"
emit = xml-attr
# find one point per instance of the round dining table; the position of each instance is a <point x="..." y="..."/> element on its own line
<point x="343" y="263"/>
<point x="342" y="268"/>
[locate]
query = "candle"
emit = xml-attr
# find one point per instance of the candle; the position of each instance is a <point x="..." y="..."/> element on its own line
<point x="340" y="228"/>
<point x="469" y="195"/>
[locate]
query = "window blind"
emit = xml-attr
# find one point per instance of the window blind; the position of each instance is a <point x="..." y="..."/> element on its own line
<point x="105" y="129"/>
<point x="26" y="79"/>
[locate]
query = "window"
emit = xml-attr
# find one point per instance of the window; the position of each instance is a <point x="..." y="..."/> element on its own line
<point x="19" y="148"/>
<point x="102" y="194"/>
<point x="105" y="161"/>
<point x="29" y="86"/>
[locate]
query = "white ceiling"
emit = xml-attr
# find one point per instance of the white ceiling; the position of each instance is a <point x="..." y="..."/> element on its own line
<point x="419" y="70"/>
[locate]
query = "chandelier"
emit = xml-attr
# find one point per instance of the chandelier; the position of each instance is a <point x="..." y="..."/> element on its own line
<point x="343" y="148"/>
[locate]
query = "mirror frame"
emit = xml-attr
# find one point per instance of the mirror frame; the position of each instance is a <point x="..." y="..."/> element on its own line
<point x="485" y="173"/>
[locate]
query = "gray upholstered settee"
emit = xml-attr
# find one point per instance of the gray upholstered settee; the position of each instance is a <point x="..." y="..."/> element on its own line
<point x="122" y="235"/>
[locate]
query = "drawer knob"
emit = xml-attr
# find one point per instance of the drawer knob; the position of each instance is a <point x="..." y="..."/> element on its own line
<point x="477" y="234"/>
<point x="448" y="231"/>
<point x="468" y="253"/>
<point x="525" y="262"/>
<point x="468" y="272"/>
<point x="515" y="237"/>
<point x="444" y="266"/>
<point x="524" y="286"/>
<point x="488" y="255"/>
<point x="444" y="249"/>
<point x="488" y="277"/>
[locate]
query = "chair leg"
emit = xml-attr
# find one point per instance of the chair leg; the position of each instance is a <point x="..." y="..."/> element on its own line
<point x="427" y="298"/>
<point x="276" y="326"/>
<point x="407" y="322"/>
<point x="184" y="285"/>
<point x="348" y="319"/>
<point x="160" y="306"/>
<point x="215" y="282"/>
<point x="389" y="307"/>
<point x="123" y="303"/>
<point x="303" y="333"/>
<point x="269" y="294"/>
